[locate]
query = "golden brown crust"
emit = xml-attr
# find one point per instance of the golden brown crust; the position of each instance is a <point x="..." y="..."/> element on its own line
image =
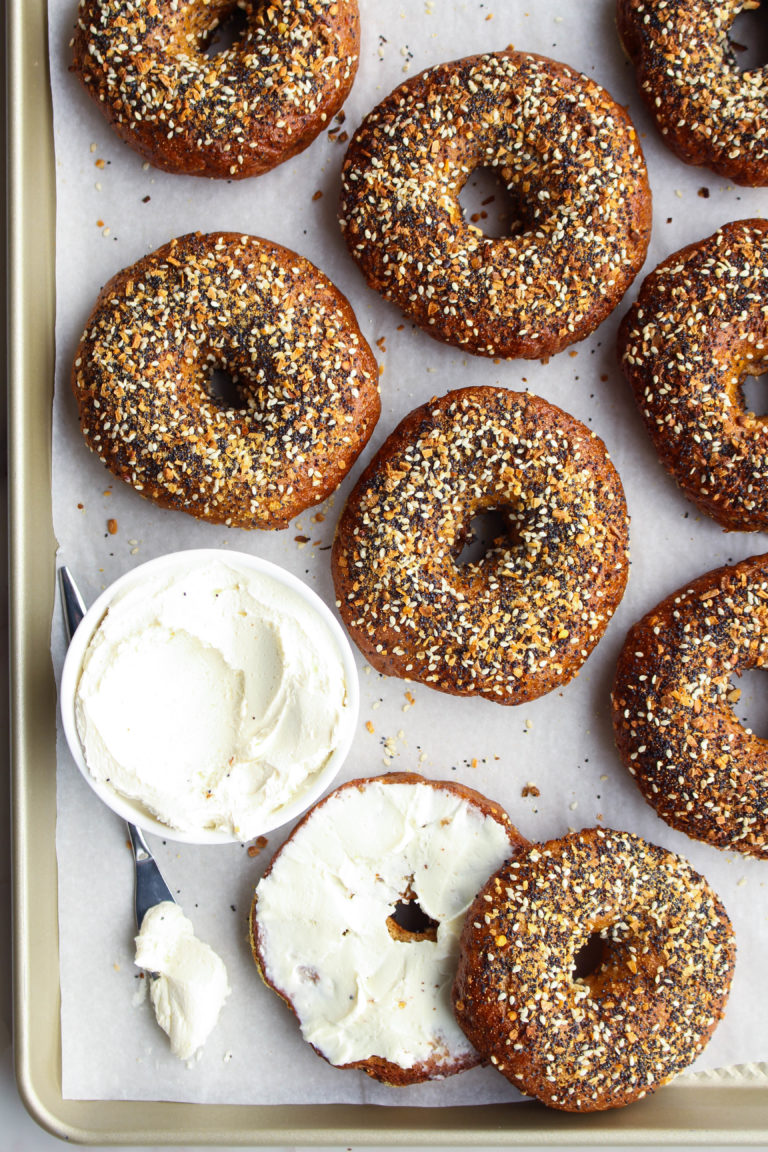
<point x="306" y="380"/>
<point x="522" y="620"/>
<point x="570" y="158"/>
<point x="386" y="1071"/>
<point x="708" y="111"/>
<point x="703" y="771"/>
<point x="647" y="1010"/>
<point x="235" y="114"/>
<point x="699" y="327"/>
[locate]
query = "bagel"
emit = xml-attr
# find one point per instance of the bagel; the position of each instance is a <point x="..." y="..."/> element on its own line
<point x="707" y="110"/>
<point x="369" y="992"/>
<point x="571" y="161"/>
<point x="699" y="327"/>
<point x="306" y="381"/>
<point x="694" y="762"/>
<point x="522" y="620"/>
<point x="604" y="1039"/>
<point x="235" y="114"/>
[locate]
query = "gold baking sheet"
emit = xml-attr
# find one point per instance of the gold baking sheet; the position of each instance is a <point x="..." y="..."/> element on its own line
<point x="724" y="1107"/>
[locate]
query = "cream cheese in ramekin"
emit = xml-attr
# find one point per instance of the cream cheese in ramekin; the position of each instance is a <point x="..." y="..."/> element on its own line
<point x="212" y="695"/>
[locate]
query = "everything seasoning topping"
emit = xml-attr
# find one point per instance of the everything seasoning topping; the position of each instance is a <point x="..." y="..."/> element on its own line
<point x="700" y="325"/>
<point x="576" y="176"/>
<point x="524" y="618"/>
<point x="708" y="110"/>
<point x="231" y="114"/>
<point x="694" y="762"/>
<point x="305" y="380"/>
<point x="601" y="1040"/>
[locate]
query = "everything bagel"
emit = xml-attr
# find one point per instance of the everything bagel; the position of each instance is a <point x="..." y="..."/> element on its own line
<point x="708" y="111"/>
<point x="230" y="115"/>
<point x="666" y="957"/>
<point x="675" y="728"/>
<point x="571" y="161"/>
<point x="306" y="381"/>
<point x="522" y="620"/>
<point x="698" y="328"/>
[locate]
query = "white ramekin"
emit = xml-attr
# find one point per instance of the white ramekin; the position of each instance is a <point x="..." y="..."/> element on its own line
<point x="133" y="810"/>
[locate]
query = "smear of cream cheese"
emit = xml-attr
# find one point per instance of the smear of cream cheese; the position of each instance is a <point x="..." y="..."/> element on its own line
<point x="188" y="981"/>
<point x="213" y="695"/>
<point x="357" y="990"/>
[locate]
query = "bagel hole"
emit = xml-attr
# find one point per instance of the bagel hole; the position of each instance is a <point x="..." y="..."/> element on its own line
<point x="229" y="31"/>
<point x="224" y="389"/>
<point x="748" y="39"/>
<point x="589" y="957"/>
<point x="409" y="922"/>
<point x="754" y="393"/>
<point x="491" y="528"/>
<point x="748" y="698"/>
<point x="488" y="204"/>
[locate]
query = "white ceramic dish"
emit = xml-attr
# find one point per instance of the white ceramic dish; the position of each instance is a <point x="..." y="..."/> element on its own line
<point x="132" y="810"/>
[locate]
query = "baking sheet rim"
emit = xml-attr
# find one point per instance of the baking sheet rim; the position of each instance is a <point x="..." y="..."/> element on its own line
<point x="713" y="1105"/>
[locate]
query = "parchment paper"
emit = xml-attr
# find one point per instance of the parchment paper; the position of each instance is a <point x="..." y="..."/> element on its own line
<point x="111" y="210"/>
